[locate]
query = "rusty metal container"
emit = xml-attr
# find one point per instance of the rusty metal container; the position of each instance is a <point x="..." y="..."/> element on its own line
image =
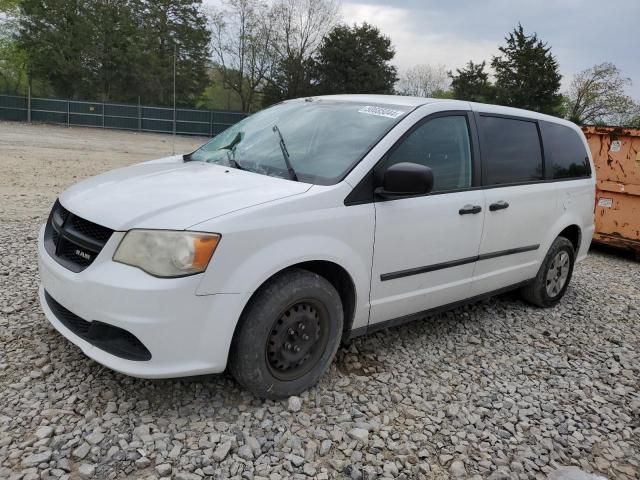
<point x="616" y="155"/>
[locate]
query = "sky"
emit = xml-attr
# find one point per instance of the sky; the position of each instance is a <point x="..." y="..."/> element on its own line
<point x="581" y="33"/>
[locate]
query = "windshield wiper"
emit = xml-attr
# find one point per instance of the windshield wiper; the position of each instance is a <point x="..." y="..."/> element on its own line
<point x="231" y="150"/>
<point x="285" y="154"/>
<point x="236" y="140"/>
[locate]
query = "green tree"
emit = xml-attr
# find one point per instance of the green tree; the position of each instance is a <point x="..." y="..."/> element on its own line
<point x="527" y="74"/>
<point x="472" y="83"/>
<point x="168" y="27"/>
<point x="117" y="49"/>
<point x="292" y="77"/>
<point x="54" y="34"/>
<point x="300" y="26"/>
<point x="217" y="96"/>
<point x="597" y="95"/>
<point x="444" y="94"/>
<point x="13" y="71"/>
<point x="356" y="60"/>
<point x="633" y="120"/>
<point x="110" y="59"/>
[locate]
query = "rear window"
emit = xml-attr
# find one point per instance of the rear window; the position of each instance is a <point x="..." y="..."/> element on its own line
<point x="511" y="148"/>
<point x="564" y="151"/>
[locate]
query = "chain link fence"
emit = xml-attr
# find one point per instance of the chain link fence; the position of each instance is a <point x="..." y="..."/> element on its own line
<point x="182" y="121"/>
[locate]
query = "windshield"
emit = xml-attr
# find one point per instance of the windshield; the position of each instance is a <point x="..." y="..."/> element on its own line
<point x="320" y="139"/>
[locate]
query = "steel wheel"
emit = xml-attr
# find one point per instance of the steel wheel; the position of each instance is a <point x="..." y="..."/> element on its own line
<point x="297" y="340"/>
<point x="557" y="274"/>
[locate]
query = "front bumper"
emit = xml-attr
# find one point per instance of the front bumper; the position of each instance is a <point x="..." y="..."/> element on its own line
<point x="186" y="334"/>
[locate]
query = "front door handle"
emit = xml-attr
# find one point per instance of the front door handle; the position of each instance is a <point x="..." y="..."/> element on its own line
<point x="501" y="205"/>
<point x="470" y="209"/>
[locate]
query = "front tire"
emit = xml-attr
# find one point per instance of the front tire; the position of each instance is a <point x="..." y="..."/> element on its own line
<point x="288" y="335"/>
<point x="554" y="275"/>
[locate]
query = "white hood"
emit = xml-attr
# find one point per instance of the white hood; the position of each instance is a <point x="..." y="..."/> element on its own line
<point x="171" y="194"/>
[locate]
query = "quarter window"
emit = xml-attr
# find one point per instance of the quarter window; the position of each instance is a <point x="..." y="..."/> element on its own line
<point x="512" y="151"/>
<point x="565" y="151"/>
<point x="441" y="144"/>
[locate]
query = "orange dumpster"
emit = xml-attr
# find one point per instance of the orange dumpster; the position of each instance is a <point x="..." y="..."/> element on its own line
<point x="616" y="155"/>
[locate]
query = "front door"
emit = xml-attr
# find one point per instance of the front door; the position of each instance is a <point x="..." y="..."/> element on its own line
<point x="426" y="247"/>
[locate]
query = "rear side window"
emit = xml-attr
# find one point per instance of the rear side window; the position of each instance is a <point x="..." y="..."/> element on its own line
<point x="511" y="150"/>
<point x="564" y="152"/>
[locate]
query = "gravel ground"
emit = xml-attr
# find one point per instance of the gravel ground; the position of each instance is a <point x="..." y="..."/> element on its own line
<point x="498" y="389"/>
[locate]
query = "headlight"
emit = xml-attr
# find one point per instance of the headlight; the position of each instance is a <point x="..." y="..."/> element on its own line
<point x="165" y="253"/>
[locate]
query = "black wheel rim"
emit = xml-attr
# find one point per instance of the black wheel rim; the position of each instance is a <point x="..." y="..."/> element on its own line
<point x="297" y="340"/>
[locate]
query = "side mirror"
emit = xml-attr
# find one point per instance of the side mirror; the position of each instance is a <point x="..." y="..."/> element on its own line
<point x="405" y="179"/>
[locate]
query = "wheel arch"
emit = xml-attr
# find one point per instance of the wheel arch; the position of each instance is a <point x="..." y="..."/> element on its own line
<point x="334" y="273"/>
<point x="573" y="233"/>
<point x="569" y="226"/>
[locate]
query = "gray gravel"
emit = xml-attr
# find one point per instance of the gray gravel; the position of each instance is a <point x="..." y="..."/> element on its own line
<point x="497" y="390"/>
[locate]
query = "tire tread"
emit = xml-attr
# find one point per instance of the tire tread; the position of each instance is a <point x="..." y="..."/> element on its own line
<point x="245" y="362"/>
<point x="535" y="292"/>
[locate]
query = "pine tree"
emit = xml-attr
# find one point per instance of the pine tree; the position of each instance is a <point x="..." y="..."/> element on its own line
<point x="527" y="74"/>
<point x="472" y="83"/>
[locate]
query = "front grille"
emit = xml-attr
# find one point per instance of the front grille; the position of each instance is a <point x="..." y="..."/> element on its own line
<point x="73" y="241"/>
<point x="113" y="340"/>
<point x="84" y="227"/>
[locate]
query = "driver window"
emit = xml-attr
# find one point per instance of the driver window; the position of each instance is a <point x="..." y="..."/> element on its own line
<point x="441" y="144"/>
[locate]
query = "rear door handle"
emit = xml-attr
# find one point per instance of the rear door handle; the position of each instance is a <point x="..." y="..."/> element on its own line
<point x="470" y="209"/>
<point x="501" y="205"/>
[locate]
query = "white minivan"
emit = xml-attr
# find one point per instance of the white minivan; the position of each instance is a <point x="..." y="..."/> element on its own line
<point x="310" y="222"/>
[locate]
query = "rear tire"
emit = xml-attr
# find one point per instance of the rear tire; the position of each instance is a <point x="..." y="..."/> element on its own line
<point x="554" y="275"/>
<point x="287" y="335"/>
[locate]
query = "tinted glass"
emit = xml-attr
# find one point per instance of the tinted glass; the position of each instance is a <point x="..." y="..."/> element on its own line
<point x="511" y="150"/>
<point x="443" y="145"/>
<point x="564" y="151"/>
<point x="323" y="138"/>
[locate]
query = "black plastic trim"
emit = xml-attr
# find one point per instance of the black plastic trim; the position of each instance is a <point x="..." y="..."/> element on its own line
<point x="363" y="195"/>
<point x="455" y="263"/>
<point x="429" y="268"/>
<point x="111" y="339"/>
<point x="472" y="210"/>
<point x="80" y="239"/>
<point x="500" y="205"/>
<point x="394" y="322"/>
<point x="61" y="233"/>
<point x="510" y="251"/>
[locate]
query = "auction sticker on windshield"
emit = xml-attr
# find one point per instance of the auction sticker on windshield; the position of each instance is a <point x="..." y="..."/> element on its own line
<point x="380" y="112"/>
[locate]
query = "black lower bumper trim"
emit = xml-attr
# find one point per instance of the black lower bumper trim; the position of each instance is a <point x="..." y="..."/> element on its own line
<point x="455" y="263"/>
<point x="113" y="340"/>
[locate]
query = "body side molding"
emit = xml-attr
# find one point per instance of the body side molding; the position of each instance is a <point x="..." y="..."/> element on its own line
<point x="454" y="263"/>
